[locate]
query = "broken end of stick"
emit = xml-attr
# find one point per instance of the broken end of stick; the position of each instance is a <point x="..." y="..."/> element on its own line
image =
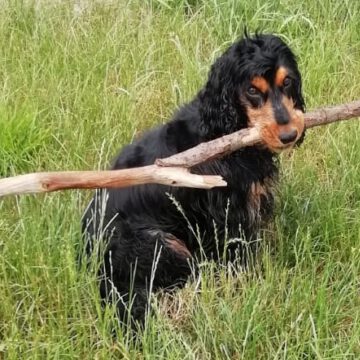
<point x="198" y="181"/>
<point x="178" y="176"/>
<point x="23" y="184"/>
<point x="211" y="181"/>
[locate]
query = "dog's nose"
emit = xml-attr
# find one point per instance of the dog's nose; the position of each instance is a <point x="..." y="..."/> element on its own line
<point x="288" y="137"/>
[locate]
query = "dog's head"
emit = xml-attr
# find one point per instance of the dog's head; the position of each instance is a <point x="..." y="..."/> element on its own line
<point x="255" y="83"/>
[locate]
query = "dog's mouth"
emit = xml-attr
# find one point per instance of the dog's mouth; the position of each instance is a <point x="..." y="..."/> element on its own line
<point x="277" y="135"/>
<point x="280" y="138"/>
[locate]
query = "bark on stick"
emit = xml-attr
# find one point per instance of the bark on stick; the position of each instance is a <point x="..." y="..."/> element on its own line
<point x="171" y="171"/>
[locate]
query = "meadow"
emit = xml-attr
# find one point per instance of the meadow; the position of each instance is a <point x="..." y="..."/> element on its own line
<point x="78" y="80"/>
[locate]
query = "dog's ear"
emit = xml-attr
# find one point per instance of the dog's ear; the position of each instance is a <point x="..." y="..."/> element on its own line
<point x="298" y="96"/>
<point x="299" y="103"/>
<point x="296" y="92"/>
<point x="218" y="111"/>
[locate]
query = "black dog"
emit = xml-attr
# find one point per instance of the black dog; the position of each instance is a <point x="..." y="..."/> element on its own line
<point x="151" y="240"/>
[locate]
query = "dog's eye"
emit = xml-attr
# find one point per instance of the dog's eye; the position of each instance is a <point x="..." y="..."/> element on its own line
<point x="287" y="82"/>
<point x="252" y="91"/>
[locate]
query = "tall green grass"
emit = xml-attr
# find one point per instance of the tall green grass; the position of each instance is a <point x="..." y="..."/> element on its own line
<point x="78" y="79"/>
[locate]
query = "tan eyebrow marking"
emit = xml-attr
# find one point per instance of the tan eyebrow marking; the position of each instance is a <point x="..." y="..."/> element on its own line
<point x="260" y="83"/>
<point x="280" y="75"/>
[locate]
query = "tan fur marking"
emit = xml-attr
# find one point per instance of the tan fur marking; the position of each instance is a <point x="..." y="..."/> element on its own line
<point x="177" y="246"/>
<point x="257" y="191"/>
<point x="281" y="74"/>
<point x="263" y="119"/>
<point x="257" y="117"/>
<point x="296" y="116"/>
<point x="260" y="83"/>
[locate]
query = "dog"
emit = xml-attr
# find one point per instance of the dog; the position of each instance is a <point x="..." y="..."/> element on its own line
<point x="154" y="233"/>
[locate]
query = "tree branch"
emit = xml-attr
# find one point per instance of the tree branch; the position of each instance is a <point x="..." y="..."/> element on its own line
<point x="171" y="171"/>
<point x="225" y="145"/>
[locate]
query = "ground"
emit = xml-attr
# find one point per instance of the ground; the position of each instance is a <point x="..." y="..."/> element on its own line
<point x="78" y="80"/>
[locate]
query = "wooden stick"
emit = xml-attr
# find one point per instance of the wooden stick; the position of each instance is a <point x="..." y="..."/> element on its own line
<point x="213" y="149"/>
<point x="324" y="116"/>
<point x="247" y="137"/>
<point x="52" y="181"/>
<point x="171" y="171"/>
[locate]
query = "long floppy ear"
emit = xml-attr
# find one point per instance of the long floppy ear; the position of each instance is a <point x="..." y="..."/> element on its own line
<point x="218" y="112"/>
<point x="298" y="96"/>
<point x="296" y="93"/>
<point x="299" y="103"/>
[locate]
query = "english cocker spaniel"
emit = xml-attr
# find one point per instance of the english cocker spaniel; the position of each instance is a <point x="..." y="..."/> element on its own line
<point x="153" y="234"/>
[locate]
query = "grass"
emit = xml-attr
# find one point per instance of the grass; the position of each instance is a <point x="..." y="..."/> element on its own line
<point x="78" y="79"/>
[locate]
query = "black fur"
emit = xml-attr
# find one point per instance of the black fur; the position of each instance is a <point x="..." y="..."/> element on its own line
<point x="141" y="223"/>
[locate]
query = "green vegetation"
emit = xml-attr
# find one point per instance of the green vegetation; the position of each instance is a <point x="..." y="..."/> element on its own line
<point x="78" y="79"/>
